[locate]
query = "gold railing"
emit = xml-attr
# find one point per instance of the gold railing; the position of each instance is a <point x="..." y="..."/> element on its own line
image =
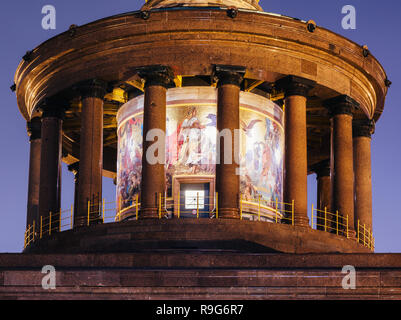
<point x="365" y="236"/>
<point x="256" y="209"/>
<point x="338" y="224"/>
<point x="123" y="206"/>
<point x="261" y="209"/>
<point x="330" y="222"/>
<point x="251" y="208"/>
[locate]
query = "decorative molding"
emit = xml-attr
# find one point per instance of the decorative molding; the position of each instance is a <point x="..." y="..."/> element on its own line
<point x="74" y="168"/>
<point x="341" y="105"/>
<point x="34" y="128"/>
<point x="53" y="108"/>
<point x="157" y="75"/>
<point x="225" y="74"/>
<point x="94" y="88"/>
<point x="322" y="169"/>
<point x="295" y="86"/>
<point x="363" y="128"/>
<point x="241" y="4"/>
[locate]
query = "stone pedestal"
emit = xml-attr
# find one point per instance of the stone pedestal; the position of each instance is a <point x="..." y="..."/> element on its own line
<point x="362" y="132"/>
<point x="228" y="125"/>
<point x="342" y="166"/>
<point x="217" y="276"/>
<point x="296" y="162"/>
<point x="91" y="153"/>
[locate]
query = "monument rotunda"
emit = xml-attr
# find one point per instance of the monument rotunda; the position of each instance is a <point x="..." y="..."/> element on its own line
<point x="209" y="116"/>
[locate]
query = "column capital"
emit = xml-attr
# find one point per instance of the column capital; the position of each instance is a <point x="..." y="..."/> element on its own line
<point x="226" y="74"/>
<point x="53" y="108"/>
<point x="74" y="168"/>
<point x="322" y="169"/>
<point x="157" y="75"/>
<point x="295" y="86"/>
<point x="93" y="88"/>
<point x="341" y="105"/>
<point x="363" y="128"/>
<point x="34" y="128"/>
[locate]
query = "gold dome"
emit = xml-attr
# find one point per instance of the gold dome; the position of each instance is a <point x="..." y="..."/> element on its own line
<point x="241" y="4"/>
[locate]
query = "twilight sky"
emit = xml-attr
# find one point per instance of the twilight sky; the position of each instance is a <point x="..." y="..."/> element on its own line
<point x="378" y="26"/>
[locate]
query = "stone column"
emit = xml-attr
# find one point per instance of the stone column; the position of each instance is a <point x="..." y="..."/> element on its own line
<point x="50" y="163"/>
<point x="322" y="170"/>
<point x="91" y="152"/>
<point x="74" y="168"/>
<point x="229" y="79"/>
<point x="296" y="162"/>
<point x="362" y="133"/>
<point x="342" y="166"/>
<point x="34" y="132"/>
<point x="157" y="80"/>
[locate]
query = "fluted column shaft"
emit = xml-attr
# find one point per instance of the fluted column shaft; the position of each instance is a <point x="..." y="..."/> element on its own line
<point x="296" y="160"/>
<point x="91" y="152"/>
<point x="229" y="79"/>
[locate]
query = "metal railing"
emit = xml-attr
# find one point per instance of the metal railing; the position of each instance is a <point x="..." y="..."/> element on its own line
<point x="261" y="209"/>
<point x="256" y="209"/>
<point x="338" y="224"/>
<point x="330" y="222"/>
<point x="200" y="206"/>
<point x="365" y="236"/>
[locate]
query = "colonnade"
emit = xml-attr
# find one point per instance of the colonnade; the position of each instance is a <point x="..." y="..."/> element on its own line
<point x="344" y="180"/>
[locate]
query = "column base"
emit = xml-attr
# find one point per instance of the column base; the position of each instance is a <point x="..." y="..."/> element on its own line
<point x="83" y="221"/>
<point x="352" y="235"/>
<point x="80" y="222"/>
<point x="229" y="213"/>
<point x="301" y="221"/>
<point x="148" y="213"/>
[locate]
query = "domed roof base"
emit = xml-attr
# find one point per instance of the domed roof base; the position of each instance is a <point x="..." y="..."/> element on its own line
<point x="241" y="4"/>
<point x="195" y="235"/>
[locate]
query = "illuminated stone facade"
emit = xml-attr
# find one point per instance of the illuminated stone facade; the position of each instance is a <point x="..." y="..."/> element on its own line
<point x="305" y="100"/>
<point x="325" y="91"/>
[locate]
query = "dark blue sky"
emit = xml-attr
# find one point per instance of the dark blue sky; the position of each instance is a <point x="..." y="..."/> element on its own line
<point x="378" y="26"/>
